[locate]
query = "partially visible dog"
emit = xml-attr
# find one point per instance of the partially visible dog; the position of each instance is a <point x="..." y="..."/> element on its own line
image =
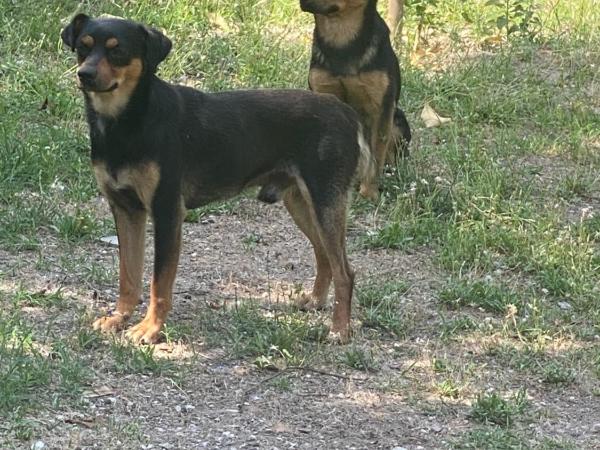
<point x="159" y="148"/>
<point x="353" y="59"/>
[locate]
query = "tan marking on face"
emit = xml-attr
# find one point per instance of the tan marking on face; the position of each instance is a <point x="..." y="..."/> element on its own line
<point x="127" y="77"/>
<point x="142" y="178"/>
<point x="88" y="41"/>
<point x="111" y="43"/>
<point x="341" y="27"/>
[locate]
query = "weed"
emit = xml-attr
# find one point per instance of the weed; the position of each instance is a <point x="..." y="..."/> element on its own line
<point x="77" y="226"/>
<point x="42" y="298"/>
<point x="273" y="339"/>
<point x="448" y="388"/>
<point x="517" y="17"/>
<point x="490" y="438"/>
<point x="489" y="296"/>
<point x="23" y="369"/>
<point x="454" y="326"/>
<point x="491" y="408"/>
<point x="555" y="373"/>
<point x="382" y="306"/>
<point x="137" y="359"/>
<point x="359" y="358"/>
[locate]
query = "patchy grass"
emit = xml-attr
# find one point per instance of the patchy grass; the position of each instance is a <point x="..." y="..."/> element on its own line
<point x="492" y="408"/>
<point x="502" y="204"/>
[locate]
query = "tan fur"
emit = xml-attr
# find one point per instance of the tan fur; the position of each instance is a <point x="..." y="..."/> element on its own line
<point x="341" y="27"/>
<point x="131" y="229"/>
<point x="365" y="93"/>
<point x="161" y="291"/>
<point x="322" y="81"/>
<point x="111" y="43"/>
<point x="142" y="178"/>
<point x="112" y="103"/>
<point x="367" y="167"/>
<point x="327" y="235"/>
<point x="88" y="41"/>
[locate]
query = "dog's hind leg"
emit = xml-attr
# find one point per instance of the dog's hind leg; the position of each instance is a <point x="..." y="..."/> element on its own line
<point x="303" y="215"/>
<point x="329" y="205"/>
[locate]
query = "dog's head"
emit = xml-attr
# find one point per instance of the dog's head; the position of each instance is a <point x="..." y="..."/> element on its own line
<point x="331" y="7"/>
<point x="112" y="55"/>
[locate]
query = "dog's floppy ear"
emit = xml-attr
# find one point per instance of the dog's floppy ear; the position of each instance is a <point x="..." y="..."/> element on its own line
<point x="70" y="33"/>
<point x="158" y="47"/>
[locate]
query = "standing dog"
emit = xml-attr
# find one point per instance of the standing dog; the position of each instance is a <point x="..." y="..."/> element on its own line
<point x="159" y="148"/>
<point x="353" y="59"/>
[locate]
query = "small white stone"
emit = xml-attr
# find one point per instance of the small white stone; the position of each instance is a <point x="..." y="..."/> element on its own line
<point x="564" y="306"/>
<point x="38" y="445"/>
<point x="112" y="241"/>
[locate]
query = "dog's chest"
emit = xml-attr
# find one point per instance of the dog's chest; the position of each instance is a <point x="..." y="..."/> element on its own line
<point x="365" y="92"/>
<point x="140" y="179"/>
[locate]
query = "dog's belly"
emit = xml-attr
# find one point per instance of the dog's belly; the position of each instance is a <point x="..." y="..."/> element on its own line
<point x="273" y="183"/>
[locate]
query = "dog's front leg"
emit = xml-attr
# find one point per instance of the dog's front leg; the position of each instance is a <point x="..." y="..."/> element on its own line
<point x="168" y="219"/>
<point x="131" y="229"/>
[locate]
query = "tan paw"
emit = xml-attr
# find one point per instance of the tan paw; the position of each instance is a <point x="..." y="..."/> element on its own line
<point x="309" y="302"/>
<point x="340" y="335"/>
<point x="112" y="323"/>
<point x="145" y="332"/>
<point x="370" y="192"/>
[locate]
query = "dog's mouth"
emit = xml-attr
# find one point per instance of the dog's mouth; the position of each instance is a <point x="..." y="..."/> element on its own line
<point x="112" y="87"/>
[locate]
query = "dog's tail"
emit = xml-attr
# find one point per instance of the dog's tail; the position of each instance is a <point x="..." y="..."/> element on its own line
<point x="366" y="168"/>
<point x="401" y="134"/>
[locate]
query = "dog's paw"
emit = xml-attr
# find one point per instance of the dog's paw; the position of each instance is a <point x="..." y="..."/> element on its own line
<point x="370" y="192"/>
<point x="145" y="332"/>
<point x="309" y="302"/>
<point x="339" y="336"/>
<point x="112" y="323"/>
<point x="341" y="333"/>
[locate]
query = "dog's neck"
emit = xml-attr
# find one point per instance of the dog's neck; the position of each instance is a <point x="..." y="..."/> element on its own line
<point x="341" y="30"/>
<point x="105" y="109"/>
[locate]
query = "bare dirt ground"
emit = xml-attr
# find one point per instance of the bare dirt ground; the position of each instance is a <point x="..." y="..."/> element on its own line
<point x="227" y="403"/>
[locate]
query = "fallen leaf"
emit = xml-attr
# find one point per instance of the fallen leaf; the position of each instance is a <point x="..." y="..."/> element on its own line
<point x="432" y="118"/>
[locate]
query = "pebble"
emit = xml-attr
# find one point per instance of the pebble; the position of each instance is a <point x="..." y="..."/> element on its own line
<point x="38" y="445"/>
<point x="564" y="306"/>
<point x="111" y="241"/>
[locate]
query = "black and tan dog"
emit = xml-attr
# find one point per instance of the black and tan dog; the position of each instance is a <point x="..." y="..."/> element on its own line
<point x="159" y="148"/>
<point x="353" y="59"/>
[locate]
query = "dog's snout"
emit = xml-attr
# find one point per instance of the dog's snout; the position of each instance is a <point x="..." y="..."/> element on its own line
<point x="87" y="75"/>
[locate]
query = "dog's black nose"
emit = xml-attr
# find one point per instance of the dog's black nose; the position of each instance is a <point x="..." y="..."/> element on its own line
<point x="87" y="75"/>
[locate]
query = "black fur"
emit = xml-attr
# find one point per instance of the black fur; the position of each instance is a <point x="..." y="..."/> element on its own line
<point x="211" y="146"/>
<point x="370" y="50"/>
